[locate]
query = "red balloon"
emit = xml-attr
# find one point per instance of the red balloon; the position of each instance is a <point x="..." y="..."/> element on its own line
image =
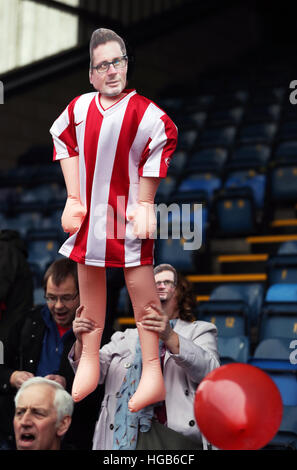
<point x="238" y="407"/>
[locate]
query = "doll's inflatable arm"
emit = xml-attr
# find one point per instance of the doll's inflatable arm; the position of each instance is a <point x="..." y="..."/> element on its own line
<point x="144" y="217"/>
<point x="74" y="211"/>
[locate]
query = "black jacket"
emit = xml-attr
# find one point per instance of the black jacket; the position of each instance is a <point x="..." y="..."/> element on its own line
<point x="16" y="280"/>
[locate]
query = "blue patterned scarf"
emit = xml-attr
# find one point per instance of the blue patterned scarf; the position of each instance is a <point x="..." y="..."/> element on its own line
<point x="126" y="423"/>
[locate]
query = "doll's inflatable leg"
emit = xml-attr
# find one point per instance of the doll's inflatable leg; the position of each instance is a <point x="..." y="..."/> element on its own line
<point x="142" y="290"/>
<point x="92" y="287"/>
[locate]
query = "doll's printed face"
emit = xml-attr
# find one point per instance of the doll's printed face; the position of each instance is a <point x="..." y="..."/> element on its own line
<point x="113" y="81"/>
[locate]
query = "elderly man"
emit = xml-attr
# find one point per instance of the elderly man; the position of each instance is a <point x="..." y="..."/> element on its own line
<point x="43" y="411"/>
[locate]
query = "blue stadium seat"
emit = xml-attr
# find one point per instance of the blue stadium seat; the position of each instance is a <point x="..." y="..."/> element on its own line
<point x="263" y="112"/>
<point x="286" y="151"/>
<point x="123" y="302"/>
<point x="192" y="119"/>
<point x="252" y="294"/>
<point x="287" y="385"/>
<point x="252" y="154"/>
<point x="38" y="296"/>
<point x="177" y="164"/>
<point x="278" y="318"/>
<point x="217" y="137"/>
<point x="288" y="130"/>
<point x="23" y="222"/>
<point x="203" y="183"/>
<point x="282" y="269"/>
<point x="286" y="436"/>
<point x="283" y="181"/>
<point x="235" y="212"/>
<point x="287" y="248"/>
<point x="187" y="139"/>
<point x="40" y="197"/>
<point x="165" y="189"/>
<point x="274" y="354"/>
<point x="248" y="178"/>
<point x="172" y="251"/>
<point x="208" y="159"/>
<point x="43" y="246"/>
<point x="281" y="293"/>
<point x="230" y="317"/>
<point x="181" y="219"/>
<point x="226" y="116"/>
<point x="233" y="349"/>
<point x="263" y="133"/>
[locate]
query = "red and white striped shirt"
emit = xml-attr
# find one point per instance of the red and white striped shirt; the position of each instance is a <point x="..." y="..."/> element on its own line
<point x="116" y="146"/>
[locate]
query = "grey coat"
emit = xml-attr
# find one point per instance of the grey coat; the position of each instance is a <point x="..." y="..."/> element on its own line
<point x="182" y="374"/>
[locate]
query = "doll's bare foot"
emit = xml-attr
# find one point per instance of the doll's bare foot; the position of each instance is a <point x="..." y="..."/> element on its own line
<point x="151" y="388"/>
<point x="88" y="372"/>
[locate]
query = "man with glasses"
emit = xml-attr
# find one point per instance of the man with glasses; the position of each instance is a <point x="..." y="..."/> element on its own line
<point x="114" y="146"/>
<point x="188" y="352"/>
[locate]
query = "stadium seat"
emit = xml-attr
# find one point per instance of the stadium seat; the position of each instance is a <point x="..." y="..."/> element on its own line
<point x="226" y="116"/>
<point x="283" y="180"/>
<point x="172" y="251"/>
<point x="261" y="133"/>
<point x="177" y="163"/>
<point x="208" y="159"/>
<point x="235" y="212"/>
<point x="230" y="317"/>
<point x="43" y="246"/>
<point x="251" y="294"/>
<point x="253" y="155"/>
<point x="263" y="112"/>
<point x="165" y="189"/>
<point x="248" y="178"/>
<point x="274" y="354"/>
<point x="282" y="269"/>
<point x="286" y="151"/>
<point x="38" y="296"/>
<point x="23" y="222"/>
<point x="286" y="436"/>
<point x="205" y="184"/>
<point x="194" y="119"/>
<point x="278" y="317"/>
<point x="288" y="130"/>
<point x="187" y="139"/>
<point x="233" y="349"/>
<point x="217" y="137"/>
<point x="287" y="385"/>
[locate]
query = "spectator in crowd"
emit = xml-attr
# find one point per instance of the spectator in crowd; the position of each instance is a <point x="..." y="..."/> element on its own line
<point x="16" y="281"/>
<point x="188" y="352"/>
<point x="36" y="347"/>
<point x="43" y="411"/>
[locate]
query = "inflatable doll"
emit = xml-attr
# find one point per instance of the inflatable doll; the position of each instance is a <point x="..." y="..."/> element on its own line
<point x="114" y="146"/>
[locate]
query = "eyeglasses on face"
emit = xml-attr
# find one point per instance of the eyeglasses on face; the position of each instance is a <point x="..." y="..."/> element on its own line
<point x="166" y="283"/>
<point x="64" y="299"/>
<point x="118" y="63"/>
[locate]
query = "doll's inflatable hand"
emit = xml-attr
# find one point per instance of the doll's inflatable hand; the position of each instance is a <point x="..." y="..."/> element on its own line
<point x="73" y="215"/>
<point x="144" y="219"/>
